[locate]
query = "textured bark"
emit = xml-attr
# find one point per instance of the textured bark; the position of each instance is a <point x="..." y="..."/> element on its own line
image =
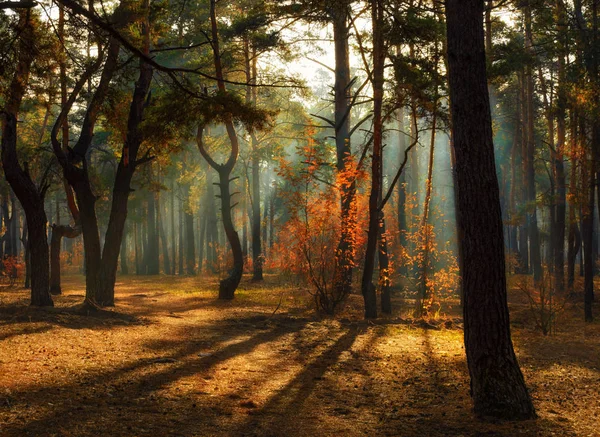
<point x="497" y="385"/>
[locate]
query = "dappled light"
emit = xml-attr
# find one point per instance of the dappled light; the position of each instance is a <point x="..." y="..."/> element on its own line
<point x="273" y="218"/>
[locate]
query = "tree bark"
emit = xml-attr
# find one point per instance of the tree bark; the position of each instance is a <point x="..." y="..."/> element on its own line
<point x="343" y="107"/>
<point x="497" y="385"/>
<point x="30" y="196"/>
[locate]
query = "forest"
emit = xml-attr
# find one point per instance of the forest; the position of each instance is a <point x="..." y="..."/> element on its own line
<point x="299" y="218"/>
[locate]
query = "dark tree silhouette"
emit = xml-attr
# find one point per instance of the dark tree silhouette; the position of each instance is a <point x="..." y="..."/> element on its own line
<point x="497" y="384"/>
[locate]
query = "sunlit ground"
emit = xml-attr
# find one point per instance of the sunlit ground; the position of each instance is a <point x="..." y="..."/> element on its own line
<point x="171" y="360"/>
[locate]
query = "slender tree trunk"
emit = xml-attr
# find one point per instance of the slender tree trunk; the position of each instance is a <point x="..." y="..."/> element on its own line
<point x="423" y="294"/>
<point x="367" y="287"/>
<point x="228" y="285"/>
<point x="559" y="169"/>
<point x="497" y="385"/>
<point x="163" y="238"/>
<point x="534" y="239"/>
<point x="173" y="242"/>
<point x="574" y="239"/>
<point x="190" y="247"/>
<point x="402" y="229"/>
<point x="181" y="239"/>
<point x="342" y="103"/>
<point x="153" y="265"/>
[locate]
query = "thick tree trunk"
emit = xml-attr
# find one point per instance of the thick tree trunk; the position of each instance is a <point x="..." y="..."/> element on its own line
<point x="30" y="197"/>
<point x="124" y="252"/>
<point x="497" y="384"/>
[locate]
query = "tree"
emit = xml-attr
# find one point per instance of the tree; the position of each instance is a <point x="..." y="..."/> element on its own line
<point x="497" y="384"/>
<point x="228" y="285"/>
<point x="27" y="191"/>
<point x="101" y="262"/>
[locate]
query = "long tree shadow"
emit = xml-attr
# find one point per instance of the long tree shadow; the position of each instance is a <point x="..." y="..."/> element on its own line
<point x="291" y="399"/>
<point x="423" y="399"/>
<point x="128" y="391"/>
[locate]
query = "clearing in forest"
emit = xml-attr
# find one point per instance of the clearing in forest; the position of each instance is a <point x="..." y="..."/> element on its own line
<point x="172" y="360"/>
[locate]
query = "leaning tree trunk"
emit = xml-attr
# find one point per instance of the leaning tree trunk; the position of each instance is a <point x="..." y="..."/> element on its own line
<point x="497" y="385"/>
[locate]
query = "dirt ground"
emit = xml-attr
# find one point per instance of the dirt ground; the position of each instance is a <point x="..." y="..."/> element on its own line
<point x="171" y="360"/>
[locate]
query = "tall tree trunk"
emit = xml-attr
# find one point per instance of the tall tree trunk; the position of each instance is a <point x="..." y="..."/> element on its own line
<point x="190" y="247"/>
<point x="423" y="294"/>
<point x="124" y="253"/>
<point x="173" y="242"/>
<point x="153" y="263"/>
<point x="18" y="177"/>
<point x="574" y="238"/>
<point x="228" y="285"/>
<point x="497" y="385"/>
<point x="367" y="287"/>
<point x="534" y="238"/>
<point x="257" y="255"/>
<point x="401" y="204"/>
<point x="559" y="170"/>
<point x="342" y="103"/>
<point x="163" y="237"/>
<point x="523" y="230"/>
<point x="181" y="238"/>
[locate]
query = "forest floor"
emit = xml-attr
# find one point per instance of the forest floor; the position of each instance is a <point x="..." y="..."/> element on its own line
<point x="171" y="360"/>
